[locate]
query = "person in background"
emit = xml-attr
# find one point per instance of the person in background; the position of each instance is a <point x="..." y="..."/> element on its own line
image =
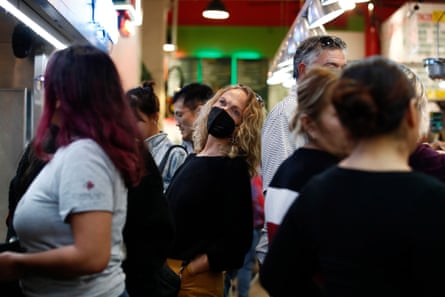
<point x="369" y="226"/>
<point x="277" y="142"/>
<point x="148" y="232"/>
<point x="84" y="184"/>
<point x="326" y="143"/>
<point x="427" y="157"/>
<point x="210" y="195"/>
<point x="145" y="106"/>
<point x="187" y="103"/>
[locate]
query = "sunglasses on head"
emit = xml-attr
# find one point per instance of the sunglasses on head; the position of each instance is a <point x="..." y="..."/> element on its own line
<point x="331" y="42"/>
<point x="258" y="98"/>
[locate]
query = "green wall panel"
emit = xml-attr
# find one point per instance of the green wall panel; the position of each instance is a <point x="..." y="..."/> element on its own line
<point x="238" y="42"/>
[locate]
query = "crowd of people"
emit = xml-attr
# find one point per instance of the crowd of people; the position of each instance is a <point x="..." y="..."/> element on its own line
<point x="347" y="195"/>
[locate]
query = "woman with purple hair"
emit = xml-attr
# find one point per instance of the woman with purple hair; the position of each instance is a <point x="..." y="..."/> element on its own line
<point x="71" y="217"/>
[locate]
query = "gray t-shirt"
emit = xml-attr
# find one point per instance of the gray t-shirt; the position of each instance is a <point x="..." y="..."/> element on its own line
<point x="79" y="178"/>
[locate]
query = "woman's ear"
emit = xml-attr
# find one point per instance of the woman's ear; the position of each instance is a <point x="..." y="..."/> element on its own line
<point x="309" y="126"/>
<point x="413" y="114"/>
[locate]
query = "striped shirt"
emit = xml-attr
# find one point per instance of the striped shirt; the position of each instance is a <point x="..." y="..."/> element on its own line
<point x="277" y="141"/>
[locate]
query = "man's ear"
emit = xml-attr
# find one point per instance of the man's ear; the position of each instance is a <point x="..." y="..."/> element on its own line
<point x="301" y="69"/>
<point x="198" y="109"/>
<point x="156" y="116"/>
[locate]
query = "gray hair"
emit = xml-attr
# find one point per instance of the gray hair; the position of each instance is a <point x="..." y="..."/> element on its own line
<point x="310" y="48"/>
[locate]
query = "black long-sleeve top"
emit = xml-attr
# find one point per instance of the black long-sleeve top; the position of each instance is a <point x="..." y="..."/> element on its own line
<point x="211" y="201"/>
<point x="365" y="233"/>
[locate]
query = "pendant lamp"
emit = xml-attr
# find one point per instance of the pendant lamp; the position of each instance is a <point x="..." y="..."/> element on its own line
<point x="216" y="10"/>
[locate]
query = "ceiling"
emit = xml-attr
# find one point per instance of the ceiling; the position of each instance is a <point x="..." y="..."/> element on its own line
<point x="273" y="12"/>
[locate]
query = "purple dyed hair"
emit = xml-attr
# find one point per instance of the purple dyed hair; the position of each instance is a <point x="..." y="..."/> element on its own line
<point x="83" y="90"/>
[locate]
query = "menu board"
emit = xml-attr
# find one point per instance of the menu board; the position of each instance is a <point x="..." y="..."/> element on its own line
<point x="409" y="36"/>
<point x="216" y="72"/>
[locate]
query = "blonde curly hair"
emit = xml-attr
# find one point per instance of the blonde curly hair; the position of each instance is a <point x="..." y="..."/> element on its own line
<point x="246" y="139"/>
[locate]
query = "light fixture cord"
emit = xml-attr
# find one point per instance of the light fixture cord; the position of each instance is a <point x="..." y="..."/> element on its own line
<point x="437" y="31"/>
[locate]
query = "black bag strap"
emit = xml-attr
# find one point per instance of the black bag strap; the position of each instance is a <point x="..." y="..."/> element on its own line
<point x="167" y="153"/>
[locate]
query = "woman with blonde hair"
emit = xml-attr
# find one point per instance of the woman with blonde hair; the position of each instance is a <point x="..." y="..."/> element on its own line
<point x="210" y="195"/>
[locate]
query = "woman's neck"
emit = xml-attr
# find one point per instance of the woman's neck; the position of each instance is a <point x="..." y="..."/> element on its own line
<point x="379" y="154"/>
<point x="214" y="146"/>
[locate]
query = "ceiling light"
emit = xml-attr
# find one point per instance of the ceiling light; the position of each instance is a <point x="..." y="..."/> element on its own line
<point x="302" y="30"/>
<point x="327" y="2"/>
<point x="31" y="24"/>
<point x="216" y="10"/>
<point x="346" y="4"/>
<point x="321" y="14"/>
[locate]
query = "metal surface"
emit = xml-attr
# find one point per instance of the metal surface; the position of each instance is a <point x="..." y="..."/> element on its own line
<point x="13" y="127"/>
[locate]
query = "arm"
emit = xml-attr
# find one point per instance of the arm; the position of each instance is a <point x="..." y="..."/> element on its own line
<point x="89" y="254"/>
<point x="176" y="157"/>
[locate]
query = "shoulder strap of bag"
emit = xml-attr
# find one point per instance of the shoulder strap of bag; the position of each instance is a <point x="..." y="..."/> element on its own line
<point x="167" y="153"/>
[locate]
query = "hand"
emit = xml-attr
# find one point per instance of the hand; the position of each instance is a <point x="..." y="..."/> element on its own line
<point x="198" y="265"/>
<point x="438" y="145"/>
<point x="9" y="269"/>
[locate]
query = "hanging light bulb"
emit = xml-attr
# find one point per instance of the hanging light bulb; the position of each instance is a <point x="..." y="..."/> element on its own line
<point x="327" y="2"/>
<point x="346" y="4"/>
<point x="216" y="10"/>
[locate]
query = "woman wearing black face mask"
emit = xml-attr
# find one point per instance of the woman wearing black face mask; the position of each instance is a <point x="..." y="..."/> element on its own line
<point x="210" y="194"/>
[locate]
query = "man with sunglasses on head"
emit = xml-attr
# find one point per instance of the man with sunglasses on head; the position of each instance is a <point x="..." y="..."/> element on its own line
<point x="277" y="141"/>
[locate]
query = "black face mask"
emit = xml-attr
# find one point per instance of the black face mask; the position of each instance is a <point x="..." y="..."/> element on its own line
<point x="220" y="124"/>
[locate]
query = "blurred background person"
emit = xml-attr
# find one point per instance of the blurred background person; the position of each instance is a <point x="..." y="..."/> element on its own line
<point x="210" y="195"/>
<point x="145" y="106"/>
<point x="370" y="226"/>
<point x="427" y="157"/>
<point x="148" y="232"/>
<point x="84" y="184"/>
<point x="187" y="103"/>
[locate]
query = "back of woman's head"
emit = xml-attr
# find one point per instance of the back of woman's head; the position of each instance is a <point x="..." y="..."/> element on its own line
<point x="372" y="97"/>
<point x="143" y="99"/>
<point x="314" y="94"/>
<point x="84" y="92"/>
